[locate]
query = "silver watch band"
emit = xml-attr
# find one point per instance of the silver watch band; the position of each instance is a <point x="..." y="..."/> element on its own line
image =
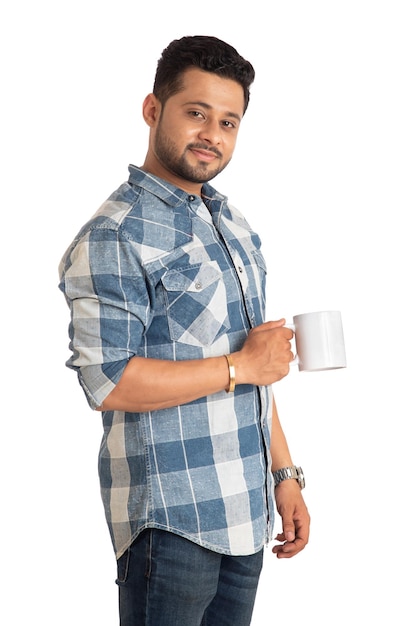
<point x="285" y="473"/>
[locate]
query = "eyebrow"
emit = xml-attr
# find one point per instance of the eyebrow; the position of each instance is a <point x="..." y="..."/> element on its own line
<point x="207" y="106"/>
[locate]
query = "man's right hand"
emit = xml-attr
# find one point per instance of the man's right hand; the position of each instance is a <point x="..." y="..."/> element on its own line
<point x="266" y="354"/>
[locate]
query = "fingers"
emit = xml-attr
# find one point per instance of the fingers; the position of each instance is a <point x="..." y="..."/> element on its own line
<point x="265" y="355"/>
<point x="270" y="325"/>
<point x="295" y="520"/>
<point x="292" y="541"/>
<point x="289" y="549"/>
<point x="274" y="331"/>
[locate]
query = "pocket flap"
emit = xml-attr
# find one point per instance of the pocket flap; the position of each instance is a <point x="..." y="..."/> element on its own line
<point x="193" y="278"/>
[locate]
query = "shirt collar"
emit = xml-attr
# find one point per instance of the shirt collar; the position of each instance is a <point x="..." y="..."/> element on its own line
<point x="167" y="192"/>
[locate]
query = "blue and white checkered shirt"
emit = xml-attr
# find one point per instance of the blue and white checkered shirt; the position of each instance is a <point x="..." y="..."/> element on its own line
<point x="160" y="273"/>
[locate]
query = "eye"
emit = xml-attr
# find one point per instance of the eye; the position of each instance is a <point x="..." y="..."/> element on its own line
<point x="196" y="114"/>
<point x="229" y="124"/>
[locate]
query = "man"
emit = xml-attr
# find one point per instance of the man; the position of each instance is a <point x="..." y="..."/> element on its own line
<point x="166" y="289"/>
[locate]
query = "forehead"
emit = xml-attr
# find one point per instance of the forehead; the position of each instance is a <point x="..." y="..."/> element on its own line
<point x="211" y="89"/>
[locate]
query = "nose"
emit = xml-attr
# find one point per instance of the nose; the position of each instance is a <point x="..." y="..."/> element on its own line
<point x="210" y="131"/>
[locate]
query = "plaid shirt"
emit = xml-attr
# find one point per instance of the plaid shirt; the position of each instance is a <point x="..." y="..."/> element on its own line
<point x="160" y="273"/>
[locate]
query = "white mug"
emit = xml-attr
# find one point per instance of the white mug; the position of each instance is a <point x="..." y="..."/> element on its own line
<point x="319" y="341"/>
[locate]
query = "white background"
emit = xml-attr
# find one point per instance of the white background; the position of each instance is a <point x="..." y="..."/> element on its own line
<point x="326" y="171"/>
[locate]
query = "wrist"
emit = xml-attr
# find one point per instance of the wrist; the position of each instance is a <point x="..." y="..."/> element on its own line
<point x="287" y="473"/>
<point x="231" y="369"/>
<point x="240" y="370"/>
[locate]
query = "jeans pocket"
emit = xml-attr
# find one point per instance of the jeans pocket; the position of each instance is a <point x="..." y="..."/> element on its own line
<point x="123" y="567"/>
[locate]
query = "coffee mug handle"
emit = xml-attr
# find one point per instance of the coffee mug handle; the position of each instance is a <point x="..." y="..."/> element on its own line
<point x="295" y="359"/>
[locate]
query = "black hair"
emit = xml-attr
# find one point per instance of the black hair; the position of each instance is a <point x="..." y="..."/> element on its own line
<point x="203" y="52"/>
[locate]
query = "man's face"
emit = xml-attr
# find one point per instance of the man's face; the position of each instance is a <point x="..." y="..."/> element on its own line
<point x="194" y="136"/>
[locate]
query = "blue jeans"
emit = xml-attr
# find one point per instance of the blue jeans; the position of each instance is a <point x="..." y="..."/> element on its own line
<point x="165" y="580"/>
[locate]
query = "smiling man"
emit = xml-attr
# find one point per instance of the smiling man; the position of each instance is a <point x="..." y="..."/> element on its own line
<point x="193" y="134"/>
<point x="166" y="288"/>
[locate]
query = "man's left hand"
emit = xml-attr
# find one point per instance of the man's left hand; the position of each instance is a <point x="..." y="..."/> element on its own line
<point x="295" y="519"/>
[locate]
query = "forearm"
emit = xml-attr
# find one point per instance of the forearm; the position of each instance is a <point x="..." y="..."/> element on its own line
<point x="151" y="384"/>
<point x="280" y="454"/>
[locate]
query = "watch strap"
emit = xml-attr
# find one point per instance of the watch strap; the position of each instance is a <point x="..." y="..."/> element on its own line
<point x="284" y="473"/>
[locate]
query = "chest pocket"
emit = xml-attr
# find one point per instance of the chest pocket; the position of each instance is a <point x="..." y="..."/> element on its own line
<point x="197" y="305"/>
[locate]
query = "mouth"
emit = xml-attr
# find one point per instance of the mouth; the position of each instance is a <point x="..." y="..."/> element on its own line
<point x="208" y="155"/>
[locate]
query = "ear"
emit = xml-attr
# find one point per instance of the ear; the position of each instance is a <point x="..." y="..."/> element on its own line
<point x="151" y="109"/>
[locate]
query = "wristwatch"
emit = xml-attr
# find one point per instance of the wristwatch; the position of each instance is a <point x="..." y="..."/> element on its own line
<point x="289" y="472"/>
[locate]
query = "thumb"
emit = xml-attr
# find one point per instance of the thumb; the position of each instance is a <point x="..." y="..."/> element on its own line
<point x="288" y="530"/>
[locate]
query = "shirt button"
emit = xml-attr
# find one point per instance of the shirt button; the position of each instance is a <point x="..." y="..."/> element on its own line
<point x="198" y="285"/>
<point x="240" y="269"/>
<point x="191" y="198"/>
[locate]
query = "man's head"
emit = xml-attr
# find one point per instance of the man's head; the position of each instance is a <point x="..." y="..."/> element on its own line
<point x="201" y="92"/>
<point x="205" y="53"/>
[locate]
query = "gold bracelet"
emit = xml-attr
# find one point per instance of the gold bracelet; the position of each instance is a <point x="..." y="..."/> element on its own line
<point x="231" y="373"/>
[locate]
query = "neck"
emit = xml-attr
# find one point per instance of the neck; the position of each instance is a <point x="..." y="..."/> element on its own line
<point x="153" y="167"/>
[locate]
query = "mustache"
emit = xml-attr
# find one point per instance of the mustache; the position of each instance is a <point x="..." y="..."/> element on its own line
<point x="201" y="146"/>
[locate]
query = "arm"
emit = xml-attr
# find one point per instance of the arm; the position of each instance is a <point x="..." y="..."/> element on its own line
<point x="151" y="384"/>
<point x="289" y="500"/>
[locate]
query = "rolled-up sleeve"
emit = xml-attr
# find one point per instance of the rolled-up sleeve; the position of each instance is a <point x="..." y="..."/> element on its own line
<point x="104" y="284"/>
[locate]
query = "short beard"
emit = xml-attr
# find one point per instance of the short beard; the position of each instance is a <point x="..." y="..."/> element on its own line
<point x="166" y="152"/>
